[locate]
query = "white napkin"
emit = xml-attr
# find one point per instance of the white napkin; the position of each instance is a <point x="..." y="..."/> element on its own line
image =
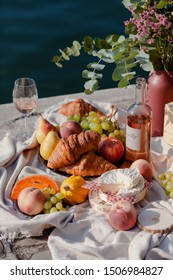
<point x="7" y="149"/>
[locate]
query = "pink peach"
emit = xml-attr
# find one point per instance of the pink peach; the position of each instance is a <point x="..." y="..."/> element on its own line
<point x="30" y="201"/>
<point x="122" y="215"/>
<point x="144" y="167"/>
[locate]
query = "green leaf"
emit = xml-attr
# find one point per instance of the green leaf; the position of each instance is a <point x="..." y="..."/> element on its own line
<point x="75" y="51"/>
<point x="105" y="55"/>
<point x="101" y="44"/>
<point x="91" y="86"/>
<point x="118" y="71"/>
<point x="59" y="64"/>
<point x="96" y="66"/>
<point x="91" y="75"/>
<point x="162" y="4"/>
<point x="66" y="57"/>
<point x="88" y="44"/>
<point x="126" y="78"/>
<point x="77" y="45"/>
<point x="68" y="51"/>
<point x="129" y="75"/>
<point x="126" y="3"/>
<point x="112" y="39"/>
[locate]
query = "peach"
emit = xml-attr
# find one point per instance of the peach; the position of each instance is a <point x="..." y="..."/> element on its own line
<point x="69" y="127"/>
<point x="144" y="167"/>
<point x="122" y="215"/>
<point x="31" y="201"/>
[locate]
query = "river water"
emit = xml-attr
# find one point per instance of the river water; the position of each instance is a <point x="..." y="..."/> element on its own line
<point x="31" y="33"/>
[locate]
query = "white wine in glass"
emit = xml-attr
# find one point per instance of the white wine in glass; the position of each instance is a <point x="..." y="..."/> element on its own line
<point x="25" y="97"/>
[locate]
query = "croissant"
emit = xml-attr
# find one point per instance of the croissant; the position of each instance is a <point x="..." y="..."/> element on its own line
<point x="69" y="150"/>
<point x="78" y="106"/>
<point x="89" y="164"/>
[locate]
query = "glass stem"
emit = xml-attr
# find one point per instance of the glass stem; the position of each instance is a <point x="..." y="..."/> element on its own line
<point x="25" y="118"/>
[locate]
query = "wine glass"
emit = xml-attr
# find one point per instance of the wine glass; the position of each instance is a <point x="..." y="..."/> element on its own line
<point x="25" y="97"/>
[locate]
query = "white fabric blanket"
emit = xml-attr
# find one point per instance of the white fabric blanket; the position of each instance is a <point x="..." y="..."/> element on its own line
<point x="81" y="232"/>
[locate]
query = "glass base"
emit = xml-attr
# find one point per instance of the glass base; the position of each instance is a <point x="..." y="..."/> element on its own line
<point x="18" y="124"/>
<point x="23" y="136"/>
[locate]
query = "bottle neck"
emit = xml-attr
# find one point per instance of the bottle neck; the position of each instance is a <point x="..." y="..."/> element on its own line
<point x="140" y="90"/>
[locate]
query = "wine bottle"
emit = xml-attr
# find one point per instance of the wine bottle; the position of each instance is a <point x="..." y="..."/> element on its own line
<point x="138" y="125"/>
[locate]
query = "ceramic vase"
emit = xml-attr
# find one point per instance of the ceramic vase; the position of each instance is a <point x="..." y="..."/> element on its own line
<point x="159" y="92"/>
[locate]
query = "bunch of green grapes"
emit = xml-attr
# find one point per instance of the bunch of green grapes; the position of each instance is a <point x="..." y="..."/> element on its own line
<point x="54" y="201"/>
<point x="166" y="179"/>
<point x="102" y="124"/>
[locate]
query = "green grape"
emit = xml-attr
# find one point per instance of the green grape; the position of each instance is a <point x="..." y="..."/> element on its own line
<point x="111" y="134"/>
<point x="92" y="114"/>
<point x="168" y="175"/>
<point x="103" y="136"/>
<point x="116" y="132"/>
<point x="63" y="209"/>
<point x="169" y="187"/>
<point x="164" y="183"/>
<point x="48" y="196"/>
<point x="89" y="119"/>
<point x="161" y="176"/>
<point x="52" y="191"/>
<point x="111" y="128"/>
<point x="76" y="117"/>
<point x="102" y="118"/>
<point x="59" y="205"/>
<point x="53" y="209"/>
<point x="70" y="118"/>
<point x="47" y="205"/>
<point x="105" y="125"/>
<point x="100" y="130"/>
<point x="59" y="195"/>
<point x="94" y="126"/>
<point x="53" y="199"/>
<point x="84" y="124"/>
<point x="96" y="120"/>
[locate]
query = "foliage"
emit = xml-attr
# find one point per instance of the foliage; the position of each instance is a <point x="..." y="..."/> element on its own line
<point x="147" y="42"/>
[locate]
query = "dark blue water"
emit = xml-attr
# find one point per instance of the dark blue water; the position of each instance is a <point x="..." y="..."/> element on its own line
<point x="31" y="32"/>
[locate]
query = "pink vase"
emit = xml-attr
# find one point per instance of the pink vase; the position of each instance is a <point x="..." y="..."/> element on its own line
<point x="159" y="92"/>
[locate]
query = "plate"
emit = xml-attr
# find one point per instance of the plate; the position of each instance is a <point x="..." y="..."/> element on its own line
<point x="102" y="202"/>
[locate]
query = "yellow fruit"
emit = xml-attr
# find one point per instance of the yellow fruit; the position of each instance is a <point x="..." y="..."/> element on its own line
<point x="73" y="191"/>
<point x="43" y="128"/>
<point x="49" y="144"/>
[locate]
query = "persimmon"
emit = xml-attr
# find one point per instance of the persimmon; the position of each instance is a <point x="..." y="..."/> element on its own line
<point x="39" y="181"/>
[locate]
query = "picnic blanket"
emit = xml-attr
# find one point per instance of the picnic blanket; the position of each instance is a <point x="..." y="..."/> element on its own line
<point x="81" y="232"/>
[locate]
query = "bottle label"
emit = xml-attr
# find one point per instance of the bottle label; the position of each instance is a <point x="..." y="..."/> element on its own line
<point x="133" y="138"/>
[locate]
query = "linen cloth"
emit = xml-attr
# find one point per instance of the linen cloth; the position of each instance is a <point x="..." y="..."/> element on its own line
<point x="81" y="232"/>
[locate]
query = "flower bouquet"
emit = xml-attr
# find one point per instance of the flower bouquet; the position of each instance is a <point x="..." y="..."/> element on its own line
<point x="147" y="42"/>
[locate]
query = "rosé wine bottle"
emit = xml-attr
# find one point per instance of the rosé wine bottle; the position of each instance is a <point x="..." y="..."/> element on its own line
<point x="138" y="125"/>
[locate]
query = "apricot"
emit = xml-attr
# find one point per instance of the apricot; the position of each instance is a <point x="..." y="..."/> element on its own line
<point x="122" y="215"/>
<point x="144" y="167"/>
<point x="31" y="201"/>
